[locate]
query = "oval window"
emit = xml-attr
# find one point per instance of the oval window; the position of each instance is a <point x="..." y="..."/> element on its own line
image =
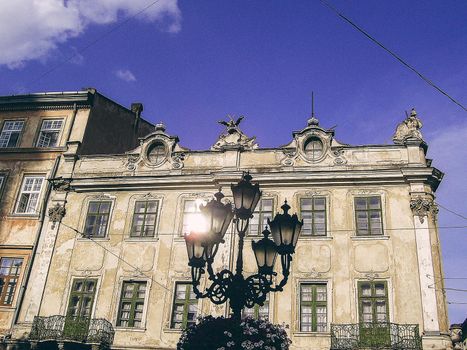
<point x="156" y="153"/>
<point x="314" y="148"/>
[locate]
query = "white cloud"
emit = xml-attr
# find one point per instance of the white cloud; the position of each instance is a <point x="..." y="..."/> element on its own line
<point x="32" y="29"/>
<point x="125" y="75"/>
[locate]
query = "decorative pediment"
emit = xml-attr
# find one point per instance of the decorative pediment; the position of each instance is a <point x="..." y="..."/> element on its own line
<point x="233" y="137"/>
<point x="313" y="144"/>
<point x="157" y="149"/>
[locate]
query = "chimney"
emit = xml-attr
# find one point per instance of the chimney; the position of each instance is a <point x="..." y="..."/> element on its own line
<point x="136" y="108"/>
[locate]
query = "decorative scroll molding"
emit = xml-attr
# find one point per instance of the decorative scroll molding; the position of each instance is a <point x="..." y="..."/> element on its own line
<point x="56" y="214"/>
<point x="339" y="154"/>
<point x="314" y="274"/>
<point x="131" y="161"/>
<point x="422" y="207"/>
<point x="290" y="156"/>
<point x="371" y="276"/>
<point x="177" y="160"/>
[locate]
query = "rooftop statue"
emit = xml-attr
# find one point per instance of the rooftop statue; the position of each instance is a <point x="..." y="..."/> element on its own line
<point x="234" y="138"/>
<point x="408" y="129"/>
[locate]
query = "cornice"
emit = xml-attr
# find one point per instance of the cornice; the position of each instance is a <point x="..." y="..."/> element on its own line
<point x="47" y="101"/>
<point x="375" y="177"/>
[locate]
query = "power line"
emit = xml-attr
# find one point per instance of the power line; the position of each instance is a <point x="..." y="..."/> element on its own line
<point x="112" y="29"/>
<point x="397" y="57"/>
<point x="451" y="211"/>
<point x="456" y="303"/>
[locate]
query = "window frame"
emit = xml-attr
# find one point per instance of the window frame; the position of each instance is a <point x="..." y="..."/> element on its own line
<point x="312" y="153"/>
<point x="261" y="216"/>
<point x="186" y="302"/>
<point x="201" y="200"/>
<point x="373" y="299"/>
<point x="368" y="210"/>
<point x="7" y="278"/>
<point x="155" y="224"/>
<point x="133" y="300"/>
<point x="80" y="294"/>
<point x="314" y="304"/>
<point x="20" y="132"/>
<point x="59" y="132"/>
<point x="313" y="211"/>
<point x="109" y="216"/>
<point x="3" y="178"/>
<point x="37" y="207"/>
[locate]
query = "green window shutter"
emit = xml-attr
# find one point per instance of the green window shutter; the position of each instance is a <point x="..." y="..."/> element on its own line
<point x="184" y="308"/>
<point x="368" y="215"/>
<point x="144" y="219"/>
<point x="313" y="213"/>
<point x="131" y="307"/>
<point x="81" y="298"/>
<point x="313" y="307"/>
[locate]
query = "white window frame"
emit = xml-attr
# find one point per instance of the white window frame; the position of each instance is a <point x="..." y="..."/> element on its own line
<point x="41" y="143"/>
<point x="32" y="191"/>
<point x="9" y="132"/>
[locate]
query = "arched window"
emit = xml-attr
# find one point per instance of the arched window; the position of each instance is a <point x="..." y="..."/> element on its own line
<point x="314" y="148"/>
<point x="157" y="153"/>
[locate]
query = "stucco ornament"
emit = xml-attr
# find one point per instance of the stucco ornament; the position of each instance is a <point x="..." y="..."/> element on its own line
<point x="456" y="337"/>
<point x="56" y="214"/>
<point x="421" y="207"/>
<point x="408" y="129"/>
<point x="234" y="138"/>
<point x="61" y="184"/>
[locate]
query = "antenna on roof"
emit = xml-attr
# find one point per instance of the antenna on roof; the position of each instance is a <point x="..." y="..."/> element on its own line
<point x="312" y="104"/>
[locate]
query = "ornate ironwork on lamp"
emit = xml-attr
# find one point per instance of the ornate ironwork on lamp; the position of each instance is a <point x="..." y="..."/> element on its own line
<point x="227" y="285"/>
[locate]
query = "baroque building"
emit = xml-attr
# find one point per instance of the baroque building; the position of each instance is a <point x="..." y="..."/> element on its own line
<point x="113" y="271"/>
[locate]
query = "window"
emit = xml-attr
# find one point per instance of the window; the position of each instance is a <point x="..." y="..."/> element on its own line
<point x="2" y="179"/>
<point x="192" y="218"/>
<point x="48" y="135"/>
<point x="144" y="219"/>
<point x="314" y="148"/>
<point x="81" y="298"/>
<point x="313" y="211"/>
<point x="258" y="222"/>
<point x="373" y="302"/>
<point x="313" y="307"/>
<point x="184" y="307"/>
<point x="157" y="153"/>
<point x="130" y="312"/>
<point x="10" y="269"/>
<point x="368" y="216"/>
<point x="10" y="133"/>
<point x="258" y="312"/>
<point x="29" y="195"/>
<point x="97" y="219"/>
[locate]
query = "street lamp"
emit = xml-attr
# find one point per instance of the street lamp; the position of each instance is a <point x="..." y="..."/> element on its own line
<point x="227" y="285"/>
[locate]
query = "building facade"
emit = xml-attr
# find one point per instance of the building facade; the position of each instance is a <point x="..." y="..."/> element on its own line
<point x="36" y="132"/>
<point x="115" y="263"/>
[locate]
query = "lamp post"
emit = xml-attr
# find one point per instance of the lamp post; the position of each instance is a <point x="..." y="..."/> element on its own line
<point x="226" y="285"/>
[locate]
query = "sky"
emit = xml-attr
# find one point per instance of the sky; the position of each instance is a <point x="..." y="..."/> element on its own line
<point x="191" y="63"/>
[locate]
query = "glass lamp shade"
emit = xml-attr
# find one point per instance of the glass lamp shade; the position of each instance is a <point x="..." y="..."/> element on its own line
<point x="195" y="248"/>
<point x="246" y="197"/>
<point x="265" y="253"/>
<point x="218" y="217"/>
<point x="285" y="230"/>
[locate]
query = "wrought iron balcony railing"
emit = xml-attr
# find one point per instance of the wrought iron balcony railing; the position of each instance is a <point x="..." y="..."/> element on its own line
<point x="375" y="336"/>
<point x="62" y="328"/>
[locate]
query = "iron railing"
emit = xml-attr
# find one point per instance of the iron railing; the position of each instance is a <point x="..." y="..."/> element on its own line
<point x="62" y="328"/>
<point x="375" y="336"/>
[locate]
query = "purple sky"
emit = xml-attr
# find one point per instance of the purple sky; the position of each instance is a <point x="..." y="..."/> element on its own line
<point x="193" y="62"/>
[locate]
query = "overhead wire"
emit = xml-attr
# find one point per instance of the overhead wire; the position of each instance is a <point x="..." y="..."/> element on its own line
<point x="451" y="211"/>
<point x="392" y="53"/>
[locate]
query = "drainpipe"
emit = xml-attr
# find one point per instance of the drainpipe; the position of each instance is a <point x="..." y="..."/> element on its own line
<point x="34" y="249"/>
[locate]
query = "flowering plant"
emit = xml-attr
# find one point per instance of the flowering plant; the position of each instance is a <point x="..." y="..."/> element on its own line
<point x="219" y="333"/>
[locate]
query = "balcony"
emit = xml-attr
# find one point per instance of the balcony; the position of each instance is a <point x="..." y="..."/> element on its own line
<point x="375" y="336"/>
<point x="64" y="329"/>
